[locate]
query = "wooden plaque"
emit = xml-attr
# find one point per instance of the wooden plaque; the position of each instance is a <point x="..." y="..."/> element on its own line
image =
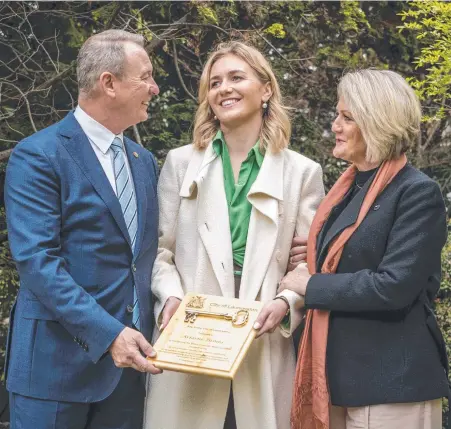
<point x="207" y="335"/>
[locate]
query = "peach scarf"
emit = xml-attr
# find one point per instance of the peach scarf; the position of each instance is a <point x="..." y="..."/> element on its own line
<point x="311" y="402"/>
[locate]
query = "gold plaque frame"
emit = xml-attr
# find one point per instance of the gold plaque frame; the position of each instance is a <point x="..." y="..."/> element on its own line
<point x="208" y="335"/>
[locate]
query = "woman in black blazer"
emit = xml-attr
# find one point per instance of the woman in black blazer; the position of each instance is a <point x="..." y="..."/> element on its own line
<point x="385" y="359"/>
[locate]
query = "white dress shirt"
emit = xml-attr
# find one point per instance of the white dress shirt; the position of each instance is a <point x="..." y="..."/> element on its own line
<point x="101" y="139"/>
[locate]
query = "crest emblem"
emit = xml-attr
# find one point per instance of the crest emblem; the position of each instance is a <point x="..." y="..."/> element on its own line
<point x="196" y="302"/>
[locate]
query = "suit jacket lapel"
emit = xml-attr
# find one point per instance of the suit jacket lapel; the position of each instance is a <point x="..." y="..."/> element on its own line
<point x="78" y="146"/>
<point x="346" y="218"/>
<point x="204" y="179"/>
<point x="265" y="195"/>
<point x="139" y="176"/>
<point x="326" y="227"/>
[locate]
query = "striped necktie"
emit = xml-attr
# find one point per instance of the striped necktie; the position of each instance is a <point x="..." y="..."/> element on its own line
<point x="127" y="200"/>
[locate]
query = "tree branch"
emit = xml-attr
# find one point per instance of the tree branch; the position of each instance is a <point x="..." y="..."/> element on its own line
<point x="189" y="24"/>
<point x="431" y="135"/>
<point x="30" y="116"/>
<point x="276" y="51"/>
<point x="434" y="128"/>
<point x="117" y="9"/>
<point x="167" y="34"/>
<point x="55" y="79"/>
<point x="177" y="68"/>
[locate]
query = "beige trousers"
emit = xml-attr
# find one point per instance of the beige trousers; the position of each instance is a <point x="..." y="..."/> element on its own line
<point x="416" y="415"/>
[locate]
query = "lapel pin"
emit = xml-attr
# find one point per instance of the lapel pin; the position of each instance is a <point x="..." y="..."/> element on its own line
<point x="135" y="154"/>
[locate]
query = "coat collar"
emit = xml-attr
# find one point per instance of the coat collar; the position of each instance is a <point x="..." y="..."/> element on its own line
<point x="266" y="196"/>
<point x="196" y="169"/>
<point x="269" y="181"/>
<point x="204" y="180"/>
<point x="346" y="218"/>
<point x="269" y="184"/>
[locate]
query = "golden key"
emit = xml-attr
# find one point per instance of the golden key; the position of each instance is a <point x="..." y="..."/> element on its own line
<point x="239" y="318"/>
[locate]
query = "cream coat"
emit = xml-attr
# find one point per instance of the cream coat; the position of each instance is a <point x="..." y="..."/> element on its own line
<point x="195" y="254"/>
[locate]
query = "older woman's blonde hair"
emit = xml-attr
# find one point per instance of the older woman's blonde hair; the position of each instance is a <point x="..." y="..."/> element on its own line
<point x="276" y="129"/>
<point x="385" y="108"/>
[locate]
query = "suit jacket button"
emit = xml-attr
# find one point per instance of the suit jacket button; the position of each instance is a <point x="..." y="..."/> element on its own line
<point x="129" y="309"/>
<point x="376" y="207"/>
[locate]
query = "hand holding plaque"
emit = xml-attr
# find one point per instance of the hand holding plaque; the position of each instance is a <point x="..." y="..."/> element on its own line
<point x="207" y="335"/>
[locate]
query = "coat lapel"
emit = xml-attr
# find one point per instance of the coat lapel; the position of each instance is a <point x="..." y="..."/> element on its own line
<point x="265" y="195"/>
<point x="196" y="171"/>
<point x="138" y="171"/>
<point x="326" y="226"/>
<point x="204" y="180"/>
<point x="78" y="146"/>
<point x="347" y="218"/>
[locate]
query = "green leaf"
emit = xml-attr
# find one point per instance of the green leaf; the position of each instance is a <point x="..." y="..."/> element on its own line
<point x="276" y="30"/>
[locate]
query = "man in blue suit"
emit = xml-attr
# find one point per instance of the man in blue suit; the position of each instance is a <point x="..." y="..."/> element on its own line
<point x="82" y="217"/>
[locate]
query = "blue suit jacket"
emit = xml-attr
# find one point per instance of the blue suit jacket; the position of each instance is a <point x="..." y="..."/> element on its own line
<point x="76" y="266"/>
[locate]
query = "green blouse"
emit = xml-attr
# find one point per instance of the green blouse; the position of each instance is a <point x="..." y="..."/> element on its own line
<point x="236" y="194"/>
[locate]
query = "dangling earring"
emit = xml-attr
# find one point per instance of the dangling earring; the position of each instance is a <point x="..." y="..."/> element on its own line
<point x="265" y="105"/>
<point x="215" y="118"/>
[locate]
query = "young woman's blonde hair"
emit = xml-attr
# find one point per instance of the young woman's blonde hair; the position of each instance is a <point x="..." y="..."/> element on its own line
<point x="385" y="108"/>
<point x="276" y="129"/>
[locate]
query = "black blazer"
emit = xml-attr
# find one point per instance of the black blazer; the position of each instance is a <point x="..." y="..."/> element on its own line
<point x="384" y="344"/>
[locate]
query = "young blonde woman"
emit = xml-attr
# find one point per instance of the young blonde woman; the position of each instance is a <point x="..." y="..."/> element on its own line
<point x="230" y="204"/>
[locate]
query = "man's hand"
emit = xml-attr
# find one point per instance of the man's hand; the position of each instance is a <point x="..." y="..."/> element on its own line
<point x="298" y="252"/>
<point x="127" y="351"/>
<point x="270" y="316"/>
<point x="171" y="306"/>
<point x="296" y="281"/>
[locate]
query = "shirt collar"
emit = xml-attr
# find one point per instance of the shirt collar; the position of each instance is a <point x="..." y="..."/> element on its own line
<point x="218" y="142"/>
<point x="99" y="135"/>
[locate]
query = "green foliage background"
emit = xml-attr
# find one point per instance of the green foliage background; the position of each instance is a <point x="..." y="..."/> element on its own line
<point x="309" y="44"/>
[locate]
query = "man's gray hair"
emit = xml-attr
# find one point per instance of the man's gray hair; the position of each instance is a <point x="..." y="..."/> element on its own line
<point x="103" y="52"/>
